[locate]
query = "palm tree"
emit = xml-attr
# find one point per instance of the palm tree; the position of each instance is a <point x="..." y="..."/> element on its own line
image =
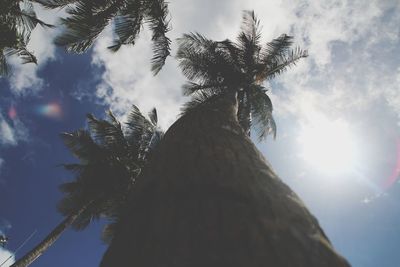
<point x="242" y="66"/>
<point x="17" y="20"/>
<point x="209" y="198"/>
<point x="110" y="162"/>
<point x="87" y="19"/>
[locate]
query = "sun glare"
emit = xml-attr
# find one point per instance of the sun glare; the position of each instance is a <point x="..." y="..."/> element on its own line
<point x="328" y="146"/>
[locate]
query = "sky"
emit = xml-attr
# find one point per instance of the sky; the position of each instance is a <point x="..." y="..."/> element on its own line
<point x="337" y="113"/>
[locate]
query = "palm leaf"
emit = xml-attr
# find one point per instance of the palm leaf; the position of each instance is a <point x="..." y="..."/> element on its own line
<point x="261" y="110"/>
<point x="81" y="144"/>
<point x="283" y="62"/>
<point x="204" y="61"/>
<point x="108" y="232"/>
<point x="108" y="134"/>
<point x="153" y="116"/>
<point x="276" y="48"/>
<point x="84" y="25"/>
<point x="157" y="12"/>
<point x="109" y="166"/>
<point x="249" y="40"/>
<point x="198" y="98"/>
<point x="190" y="87"/>
<point x="127" y="25"/>
<point x="22" y="53"/>
<point x="52" y="4"/>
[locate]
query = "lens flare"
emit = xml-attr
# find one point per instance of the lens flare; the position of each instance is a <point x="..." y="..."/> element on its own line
<point x="12" y="113"/>
<point x="51" y="110"/>
<point x="396" y="171"/>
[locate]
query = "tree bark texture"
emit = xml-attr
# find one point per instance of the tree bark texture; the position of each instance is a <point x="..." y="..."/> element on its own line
<point x="209" y="198"/>
<point x="37" y="251"/>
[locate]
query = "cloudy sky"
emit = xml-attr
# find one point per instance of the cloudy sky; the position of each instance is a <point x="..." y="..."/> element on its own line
<point x="337" y="111"/>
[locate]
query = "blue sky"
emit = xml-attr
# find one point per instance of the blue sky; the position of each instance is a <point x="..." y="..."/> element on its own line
<point x="338" y="117"/>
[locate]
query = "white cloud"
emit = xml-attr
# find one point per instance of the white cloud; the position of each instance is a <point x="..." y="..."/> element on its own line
<point x="25" y="79"/>
<point x="6" y="255"/>
<point x="127" y="80"/>
<point x="6" y="134"/>
<point x="12" y="132"/>
<point x="342" y="37"/>
<point x="349" y="68"/>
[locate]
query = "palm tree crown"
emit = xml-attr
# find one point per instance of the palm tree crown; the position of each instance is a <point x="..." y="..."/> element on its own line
<point x="216" y="67"/>
<point x="87" y="19"/>
<point x="111" y="158"/>
<point x="110" y="161"/>
<point x="17" y="20"/>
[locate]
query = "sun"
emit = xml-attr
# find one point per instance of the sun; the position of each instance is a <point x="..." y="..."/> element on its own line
<point x="328" y="146"/>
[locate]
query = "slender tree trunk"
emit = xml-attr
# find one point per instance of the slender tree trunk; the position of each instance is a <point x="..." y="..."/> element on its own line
<point x="209" y="198"/>
<point x="37" y="251"/>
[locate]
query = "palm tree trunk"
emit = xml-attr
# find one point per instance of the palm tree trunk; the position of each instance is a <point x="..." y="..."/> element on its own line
<point x="209" y="198"/>
<point x="37" y="251"/>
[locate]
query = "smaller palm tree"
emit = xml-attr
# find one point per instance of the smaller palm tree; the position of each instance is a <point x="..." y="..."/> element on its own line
<point x="110" y="161"/>
<point x="17" y="20"/>
<point x="87" y="19"/>
<point x="218" y="67"/>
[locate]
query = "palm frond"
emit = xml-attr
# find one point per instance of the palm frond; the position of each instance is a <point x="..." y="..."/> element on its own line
<point x="157" y="12"/>
<point x="140" y="131"/>
<point x="22" y="53"/>
<point x="87" y="19"/>
<point x="127" y="25"/>
<point x="274" y="49"/>
<point x="261" y="110"/>
<point x="248" y="40"/>
<point x="81" y="144"/>
<point x="17" y="20"/>
<point x="52" y="4"/>
<point x="195" y="55"/>
<point x="198" y="98"/>
<point x="218" y="67"/>
<point x="191" y="87"/>
<point x="136" y="124"/>
<point x="282" y="63"/>
<point x="84" y="25"/>
<point x="106" y="172"/>
<point x="108" y="232"/>
<point x="69" y="187"/>
<point x="155" y="139"/>
<point x="244" y="111"/>
<point x="108" y="134"/>
<point x="153" y="116"/>
<point x="250" y="26"/>
<point x="74" y="167"/>
<point x="26" y="18"/>
<point x="205" y="61"/>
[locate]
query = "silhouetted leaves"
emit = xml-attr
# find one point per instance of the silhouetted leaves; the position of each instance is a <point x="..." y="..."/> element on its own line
<point x="17" y="20"/>
<point x="87" y="19"/>
<point x="110" y="160"/>
<point x="216" y="67"/>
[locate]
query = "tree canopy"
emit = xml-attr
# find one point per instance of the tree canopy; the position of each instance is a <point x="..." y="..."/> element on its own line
<point x="17" y="20"/>
<point x="111" y="159"/>
<point x="214" y="67"/>
<point x="87" y="19"/>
